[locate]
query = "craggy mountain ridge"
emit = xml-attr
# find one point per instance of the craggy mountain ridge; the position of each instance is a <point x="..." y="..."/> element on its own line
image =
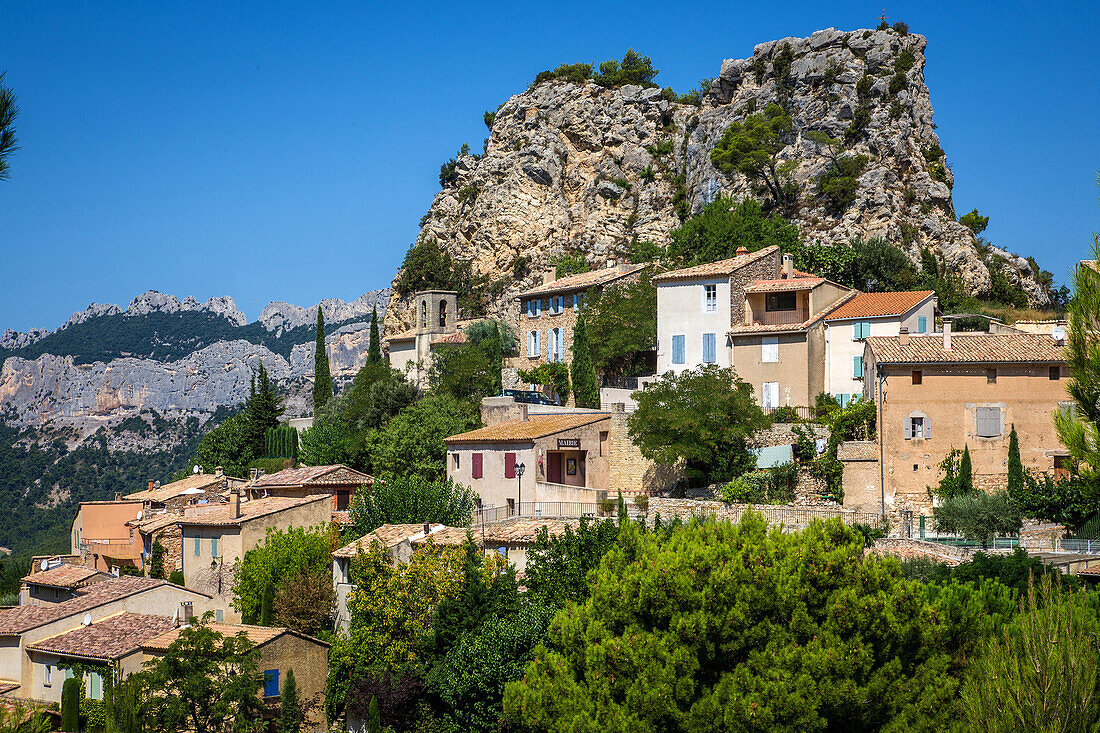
<point x="579" y="168"/>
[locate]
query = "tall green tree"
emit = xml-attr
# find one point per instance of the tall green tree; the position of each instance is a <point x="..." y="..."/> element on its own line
<point x="71" y="692"/>
<point x="206" y="682"/>
<point x="586" y="390"/>
<point x="621" y="328"/>
<point x="411" y="500"/>
<point x="9" y="111"/>
<point x="701" y="416"/>
<point x="966" y="473"/>
<point x="724" y="225"/>
<point x="322" y="375"/>
<point x="374" y="351"/>
<point x="229" y="445"/>
<point x="1017" y="478"/>
<point x="262" y="410"/>
<point x="290" y="706"/>
<point x="752" y="148"/>
<point x="280" y="556"/>
<point x="411" y="443"/>
<point x="156" y="562"/>
<point x="125" y="700"/>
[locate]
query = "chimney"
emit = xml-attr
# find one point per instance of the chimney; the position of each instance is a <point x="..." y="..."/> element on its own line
<point x="427" y="529"/>
<point x="235" y="504"/>
<point x="611" y="263"/>
<point x="150" y="484"/>
<point x="742" y="250"/>
<point x="947" y="335"/>
<point x="788" y="266"/>
<point x="118" y="496"/>
<point x="903" y="336"/>
<point x="219" y="471"/>
<point x="550" y="276"/>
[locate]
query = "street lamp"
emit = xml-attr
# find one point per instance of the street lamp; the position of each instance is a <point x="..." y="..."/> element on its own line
<point x="519" y="487"/>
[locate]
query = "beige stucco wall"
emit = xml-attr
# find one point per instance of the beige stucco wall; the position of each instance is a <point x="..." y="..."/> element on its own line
<point x="841" y="346"/>
<point x="861" y="486"/>
<point x="949" y="396"/>
<point x="309" y="660"/>
<point x="681" y="310"/>
<point x="102" y="525"/>
<point x="492" y="488"/>
<point x="799" y="370"/>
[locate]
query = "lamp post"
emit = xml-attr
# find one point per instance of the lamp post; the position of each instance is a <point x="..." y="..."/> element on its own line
<point x="519" y="488"/>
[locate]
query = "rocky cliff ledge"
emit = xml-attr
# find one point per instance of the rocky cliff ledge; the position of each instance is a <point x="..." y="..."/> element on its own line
<point x="567" y="165"/>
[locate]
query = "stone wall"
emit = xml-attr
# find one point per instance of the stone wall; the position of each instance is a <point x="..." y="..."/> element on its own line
<point x="791" y="516"/>
<point x="783" y="434"/>
<point x="908" y="549"/>
<point x="766" y="268"/>
<point x="631" y="472"/>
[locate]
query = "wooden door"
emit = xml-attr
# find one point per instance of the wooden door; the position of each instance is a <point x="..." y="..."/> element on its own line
<point x="553" y="467"/>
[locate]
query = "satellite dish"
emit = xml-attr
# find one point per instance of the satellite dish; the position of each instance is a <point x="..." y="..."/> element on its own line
<point x="196" y="470"/>
<point x="87" y="619"/>
<point x="45" y="565"/>
<point x="140" y="515"/>
<point x="1059" y="333"/>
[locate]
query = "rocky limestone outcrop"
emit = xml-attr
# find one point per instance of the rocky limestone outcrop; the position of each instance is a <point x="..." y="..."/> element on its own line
<point x="152" y="301"/>
<point x="279" y="316"/>
<point x="12" y="340"/>
<point x="567" y="166"/>
<point x="95" y="310"/>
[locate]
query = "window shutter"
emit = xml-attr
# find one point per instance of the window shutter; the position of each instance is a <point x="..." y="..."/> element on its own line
<point x="908" y="428"/>
<point x="537" y="303"/>
<point x="509" y="465"/>
<point x="927" y="428"/>
<point x="922" y="324"/>
<point x="857" y="367"/>
<point x="677" y="349"/>
<point x="475" y="465"/>
<point x="709" y="355"/>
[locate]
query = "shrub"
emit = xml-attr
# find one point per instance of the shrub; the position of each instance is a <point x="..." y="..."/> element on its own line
<point x="933" y="153"/>
<point x="974" y="221"/>
<point x="468" y="193"/>
<point x="176" y="577"/>
<point x="576" y="73"/>
<point x="648" y="174"/>
<point x="71" y="692"/>
<point x="978" y="516"/>
<point x="863" y="86"/>
<point x="901" y="28"/>
<point x="784" y="414"/>
<point x="768" y="486"/>
<point x="633" y="69"/>
<point x="839" y="183"/>
<point x="895" y="110"/>
<point x="860" y="118"/>
<point x="642" y="502"/>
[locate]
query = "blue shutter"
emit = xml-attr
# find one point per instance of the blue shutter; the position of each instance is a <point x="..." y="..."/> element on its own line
<point x="709" y="356"/>
<point x="271" y="683"/>
<point x="677" y="349"/>
<point x="198" y="551"/>
<point x="922" y="324"/>
<point x="857" y="367"/>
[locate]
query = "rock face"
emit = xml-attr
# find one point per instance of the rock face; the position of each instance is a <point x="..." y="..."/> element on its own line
<point x="18" y="339"/>
<point x="279" y="316"/>
<point x="153" y="302"/>
<point x="567" y="167"/>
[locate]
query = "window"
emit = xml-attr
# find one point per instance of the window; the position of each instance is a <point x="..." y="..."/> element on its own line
<point x="578" y="298"/>
<point x="988" y="422"/>
<point x="271" y="683"/>
<point x="534" y="348"/>
<point x="424" y="313"/>
<point x="509" y="465"/>
<point x="198" y="549"/>
<point x="991" y="376"/>
<point x="861" y="330"/>
<point x="442" y="314"/>
<point x="95" y="686"/>
<point x="857" y="367"/>
<point x="918" y="376"/>
<point x="922" y="324"/>
<point x="709" y="351"/>
<point x="554" y="348"/>
<point x="47" y="674"/>
<point x="219" y="615"/>
<point x="780" y="302"/>
<point x="1055" y="373"/>
<point x="557" y="304"/>
<point x="343" y="501"/>
<point x="476" y="465"/>
<point x="678" y="349"/>
<point x="769" y="349"/>
<point x="770" y="395"/>
<point x="457" y="462"/>
<point x="534" y="307"/>
<point x="603" y="443"/>
<point x="213" y="547"/>
<point x="842" y="399"/>
<point x="917" y="425"/>
<point x="710" y="298"/>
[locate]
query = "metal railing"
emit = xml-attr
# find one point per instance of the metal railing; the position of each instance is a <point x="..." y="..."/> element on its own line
<point x="804" y="413"/>
<point x="546" y="510"/>
<point x="781" y="318"/>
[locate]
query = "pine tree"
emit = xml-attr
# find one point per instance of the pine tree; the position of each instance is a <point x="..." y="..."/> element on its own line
<point x="290" y="707"/>
<point x="1016" y="476"/>
<point x="586" y="390"/>
<point x="70" y="705"/>
<point x="262" y="410"/>
<point x="966" y="474"/>
<point x="322" y="376"/>
<point x="374" y="354"/>
<point x="156" y="563"/>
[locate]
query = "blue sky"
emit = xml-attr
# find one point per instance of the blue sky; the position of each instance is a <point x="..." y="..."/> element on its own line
<point x="286" y="152"/>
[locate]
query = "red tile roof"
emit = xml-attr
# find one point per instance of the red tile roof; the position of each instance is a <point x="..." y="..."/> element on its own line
<point x="872" y="305"/>
<point x="714" y="269"/>
<point x="388" y="535"/>
<point x="969" y="348"/>
<point x="458" y="337"/>
<point x="582" y="281"/>
<point x="510" y="531"/>
<point x="109" y="638"/>
<point x="258" y="635"/>
<point x="63" y="576"/>
<point x="786" y="284"/>
<point x="201" y="481"/>
<point x="313" y="476"/>
<point x="524" y="431"/>
<point x="254" y="509"/>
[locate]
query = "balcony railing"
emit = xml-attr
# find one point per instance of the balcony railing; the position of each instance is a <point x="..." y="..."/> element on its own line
<point x="781" y="318"/>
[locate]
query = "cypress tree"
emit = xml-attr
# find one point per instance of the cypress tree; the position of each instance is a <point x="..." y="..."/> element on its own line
<point x="290" y="707"/>
<point x="322" y="376"/>
<point x="156" y="563"/>
<point x="262" y="410"/>
<point x="266" y="603"/>
<point x="1016" y="476"/>
<point x="966" y="474"/>
<point x="586" y="390"/>
<point x="70" y="705"/>
<point x="374" y="716"/>
<point x="374" y="354"/>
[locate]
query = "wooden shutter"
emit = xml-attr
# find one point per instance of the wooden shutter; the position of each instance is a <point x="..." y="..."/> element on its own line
<point x="857" y="367"/>
<point x="476" y="463"/>
<point x="927" y="427"/>
<point x="677" y="349"/>
<point x="908" y="428"/>
<point x="509" y="465"/>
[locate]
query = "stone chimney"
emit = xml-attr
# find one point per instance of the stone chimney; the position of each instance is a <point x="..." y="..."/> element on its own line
<point x="742" y="250"/>
<point x="788" y="266"/>
<point x="235" y="504"/>
<point x="550" y="276"/>
<point x="947" y="335"/>
<point x="903" y="336"/>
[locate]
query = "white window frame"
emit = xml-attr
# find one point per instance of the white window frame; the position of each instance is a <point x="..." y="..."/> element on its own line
<point x="769" y="349"/>
<point x="683" y="347"/>
<point x="709" y="304"/>
<point x="534" y="345"/>
<point x="916" y="428"/>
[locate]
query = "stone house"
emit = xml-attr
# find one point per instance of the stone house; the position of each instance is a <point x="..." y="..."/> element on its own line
<point x="337" y="480"/>
<point x="849" y="325"/>
<point x="217" y="536"/>
<point x="565" y="458"/>
<point x="944" y="391"/>
<point x="280" y="650"/>
<point x="511" y="536"/>
<point x="55" y="582"/>
<point x="753" y="312"/>
<point x="24" y="627"/>
<point x="549" y="312"/>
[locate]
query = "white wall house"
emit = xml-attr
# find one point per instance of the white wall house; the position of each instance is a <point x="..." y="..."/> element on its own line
<point x="869" y="314"/>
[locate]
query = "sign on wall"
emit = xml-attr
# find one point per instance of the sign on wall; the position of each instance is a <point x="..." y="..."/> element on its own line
<point x="569" y="442"/>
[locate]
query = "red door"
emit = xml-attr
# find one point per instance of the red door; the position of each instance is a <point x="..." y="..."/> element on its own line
<point x="553" y="467"/>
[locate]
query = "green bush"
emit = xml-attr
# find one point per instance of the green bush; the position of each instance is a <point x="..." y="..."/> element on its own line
<point x="784" y="414"/>
<point x="768" y="486"/>
<point x="576" y="73"/>
<point x="863" y="86"/>
<point x="468" y="193"/>
<point x="71" y="692"/>
<point x="901" y="28"/>
<point x="569" y="263"/>
<point x="860" y="118"/>
<point x="633" y="69"/>
<point x="839" y="183"/>
<point x="176" y="577"/>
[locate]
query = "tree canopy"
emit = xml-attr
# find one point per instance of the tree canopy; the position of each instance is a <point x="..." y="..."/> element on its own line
<point x="9" y="111"/>
<point x="723" y="225"/>
<point x="411" y="500"/>
<point x="282" y="555"/>
<point x="621" y="328"/>
<point x="752" y="148"/>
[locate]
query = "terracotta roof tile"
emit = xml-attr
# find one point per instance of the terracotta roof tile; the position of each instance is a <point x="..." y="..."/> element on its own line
<point x="872" y="305"/>
<point x="792" y="283"/>
<point x="219" y="516"/>
<point x="714" y="269"/>
<point x="969" y="348"/>
<point x="108" y="638"/>
<point x="256" y="634"/>
<point x="408" y="335"/>
<point x="583" y="280"/>
<point x="523" y="431"/>
<point x="388" y="535"/>
<point x="458" y="337"/>
<point x="23" y="618"/>
<point x="203" y="481"/>
<point x="65" y="575"/>
<point x="312" y="476"/>
<point x="511" y="531"/>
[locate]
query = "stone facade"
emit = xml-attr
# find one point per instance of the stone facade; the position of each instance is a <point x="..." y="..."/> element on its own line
<point x="631" y="472"/>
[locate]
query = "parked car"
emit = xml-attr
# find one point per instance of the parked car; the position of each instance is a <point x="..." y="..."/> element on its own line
<point x="528" y="396"/>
